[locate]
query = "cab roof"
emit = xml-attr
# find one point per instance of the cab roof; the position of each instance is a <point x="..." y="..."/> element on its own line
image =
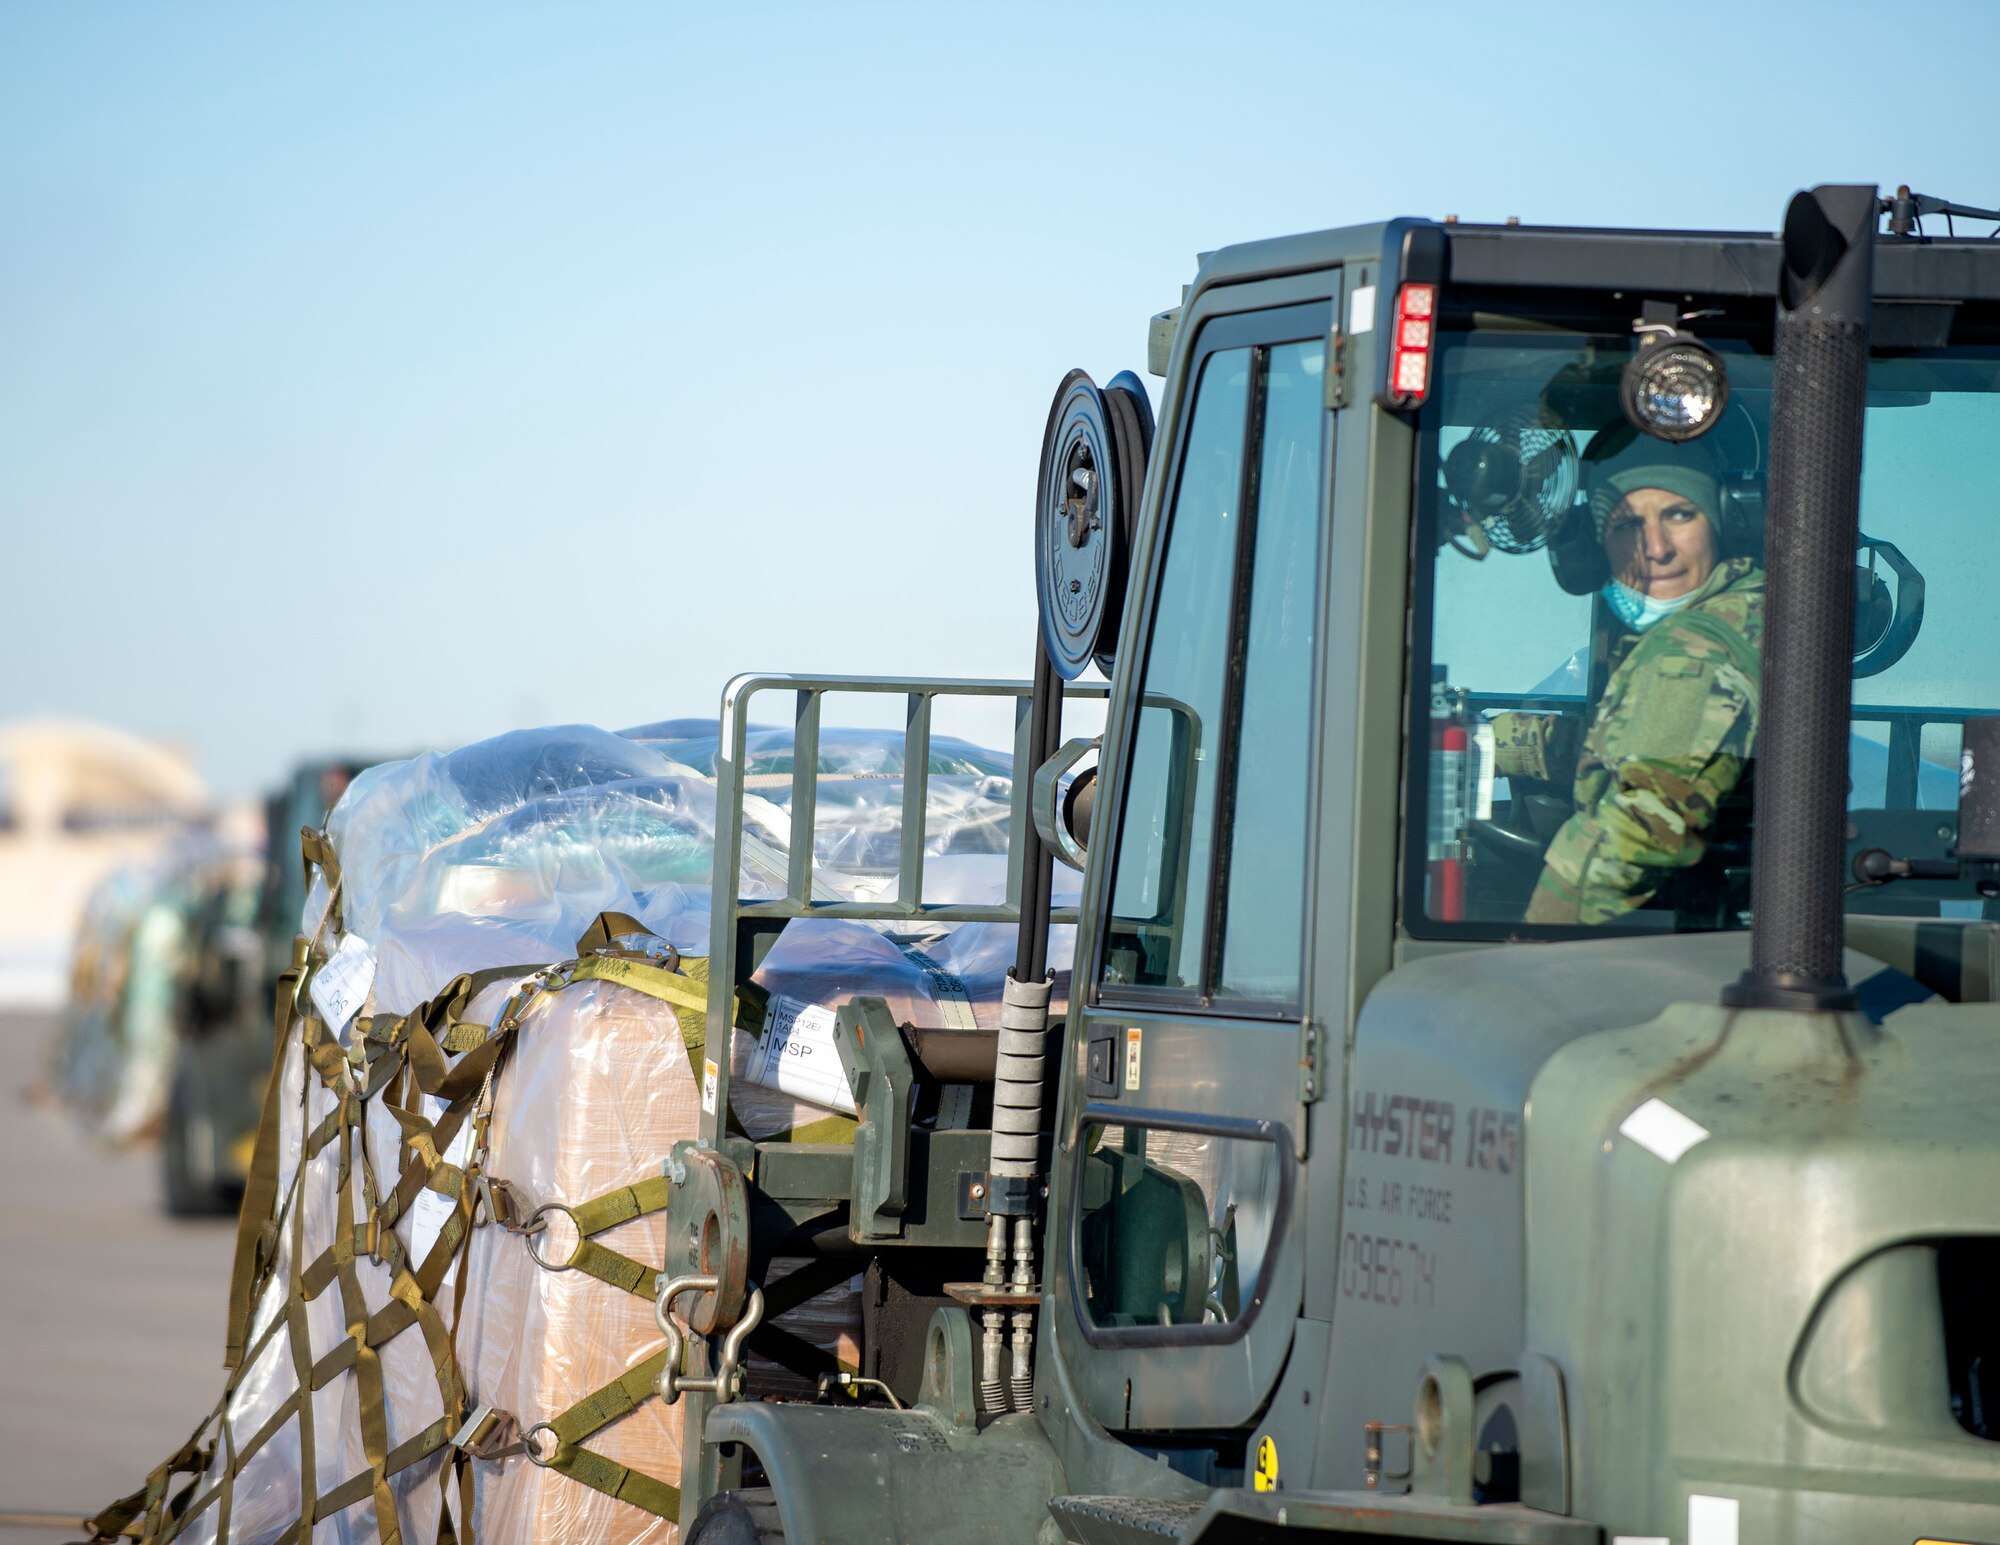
<point x="1716" y="263"/>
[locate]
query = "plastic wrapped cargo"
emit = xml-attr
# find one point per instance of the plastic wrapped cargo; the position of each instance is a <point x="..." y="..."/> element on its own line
<point x="592" y="1091"/>
<point x="943" y="979"/>
<point x="496" y="859"/>
<point x="857" y="830"/>
<point x="502" y="852"/>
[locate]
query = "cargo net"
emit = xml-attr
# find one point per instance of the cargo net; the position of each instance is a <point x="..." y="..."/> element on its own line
<point x="448" y="1240"/>
<point x="441" y="1321"/>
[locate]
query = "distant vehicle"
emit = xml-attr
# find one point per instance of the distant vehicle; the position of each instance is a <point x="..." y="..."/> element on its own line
<point x="241" y="941"/>
<point x="113" y="1060"/>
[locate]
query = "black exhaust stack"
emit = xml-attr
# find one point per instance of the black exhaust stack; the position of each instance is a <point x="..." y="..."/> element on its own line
<point x="1812" y="526"/>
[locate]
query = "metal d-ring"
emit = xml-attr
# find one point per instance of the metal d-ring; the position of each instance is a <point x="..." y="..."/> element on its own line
<point x="537" y="1227"/>
<point x="725" y="1383"/>
<point x="530" y="1449"/>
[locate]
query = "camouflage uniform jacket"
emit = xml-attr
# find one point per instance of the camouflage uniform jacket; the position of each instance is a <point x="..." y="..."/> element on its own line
<point x="1676" y="725"/>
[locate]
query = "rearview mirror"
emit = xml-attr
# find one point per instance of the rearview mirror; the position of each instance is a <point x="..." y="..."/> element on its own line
<point x="1062" y="813"/>
<point x="1886" y="619"/>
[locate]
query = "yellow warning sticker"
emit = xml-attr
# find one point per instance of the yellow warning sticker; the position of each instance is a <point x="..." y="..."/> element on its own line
<point x="1265" y="1476"/>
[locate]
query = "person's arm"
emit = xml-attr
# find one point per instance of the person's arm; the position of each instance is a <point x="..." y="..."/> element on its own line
<point x="1536" y="745"/>
<point x="1674" y="745"/>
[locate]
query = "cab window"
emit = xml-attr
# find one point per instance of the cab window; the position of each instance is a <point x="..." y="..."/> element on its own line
<point x="1208" y="883"/>
<point x="1588" y="633"/>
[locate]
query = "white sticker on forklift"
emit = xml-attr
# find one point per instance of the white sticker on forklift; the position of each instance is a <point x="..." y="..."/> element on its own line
<point x="709" y="1074"/>
<point x="1361" y="310"/>
<point x="1663" y="1131"/>
<point x="1133" y="1036"/>
<point x="341" y="985"/>
<point x="1711" y="1520"/>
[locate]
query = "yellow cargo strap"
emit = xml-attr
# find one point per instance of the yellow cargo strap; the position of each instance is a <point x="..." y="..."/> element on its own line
<point x="607" y="1212"/>
<point x="316" y="851"/>
<point x="391" y="1060"/>
<point x="687" y="991"/>
<point x="596" y="1411"/>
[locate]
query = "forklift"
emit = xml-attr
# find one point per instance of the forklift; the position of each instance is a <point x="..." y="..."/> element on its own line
<point x="1342" y="1193"/>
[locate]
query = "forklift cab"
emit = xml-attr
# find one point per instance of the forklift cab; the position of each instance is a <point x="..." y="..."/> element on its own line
<point x="1285" y="1123"/>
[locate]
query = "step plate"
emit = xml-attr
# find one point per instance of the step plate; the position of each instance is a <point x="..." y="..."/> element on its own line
<point x="1122" y="1520"/>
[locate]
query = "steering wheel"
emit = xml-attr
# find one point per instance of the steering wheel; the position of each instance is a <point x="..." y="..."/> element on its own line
<point x="1504" y="844"/>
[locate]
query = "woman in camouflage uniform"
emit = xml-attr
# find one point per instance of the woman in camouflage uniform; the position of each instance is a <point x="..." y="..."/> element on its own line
<point x="1678" y="720"/>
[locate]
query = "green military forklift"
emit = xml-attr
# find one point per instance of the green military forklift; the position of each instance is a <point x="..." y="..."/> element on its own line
<point x="1421" y="1147"/>
<point x="222" y="1058"/>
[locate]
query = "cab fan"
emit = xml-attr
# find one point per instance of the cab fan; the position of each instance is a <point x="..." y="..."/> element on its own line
<point x="1513" y="478"/>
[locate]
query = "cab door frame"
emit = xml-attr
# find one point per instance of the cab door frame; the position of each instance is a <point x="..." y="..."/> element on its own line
<point x="1232" y="1065"/>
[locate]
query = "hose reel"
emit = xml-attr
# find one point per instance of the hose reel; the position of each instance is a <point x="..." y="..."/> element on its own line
<point x="1093" y="472"/>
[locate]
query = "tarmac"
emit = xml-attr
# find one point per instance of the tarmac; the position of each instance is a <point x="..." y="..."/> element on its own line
<point x="111" y="1313"/>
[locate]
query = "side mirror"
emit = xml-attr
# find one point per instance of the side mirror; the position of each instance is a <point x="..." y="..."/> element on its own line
<point x="1885" y="621"/>
<point x="1062" y="815"/>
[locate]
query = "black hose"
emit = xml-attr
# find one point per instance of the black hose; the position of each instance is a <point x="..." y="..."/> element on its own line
<point x="1031" y="955"/>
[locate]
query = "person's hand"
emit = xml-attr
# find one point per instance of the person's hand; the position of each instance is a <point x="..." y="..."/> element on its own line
<point x="1541" y="746"/>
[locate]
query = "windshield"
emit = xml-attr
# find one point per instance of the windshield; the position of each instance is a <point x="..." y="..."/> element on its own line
<point x="1589" y="625"/>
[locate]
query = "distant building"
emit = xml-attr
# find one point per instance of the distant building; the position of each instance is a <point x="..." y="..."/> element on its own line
<point x="76" y="800"/>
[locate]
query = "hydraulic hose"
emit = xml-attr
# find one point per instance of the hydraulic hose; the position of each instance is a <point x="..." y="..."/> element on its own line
<point x="1020" y="1079"/>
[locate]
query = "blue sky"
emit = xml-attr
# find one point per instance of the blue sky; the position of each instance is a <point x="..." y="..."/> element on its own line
<point x="392" y="376"/>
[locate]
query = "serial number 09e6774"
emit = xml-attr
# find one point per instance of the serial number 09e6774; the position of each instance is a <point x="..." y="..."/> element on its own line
<point x="1380" y="1269"/>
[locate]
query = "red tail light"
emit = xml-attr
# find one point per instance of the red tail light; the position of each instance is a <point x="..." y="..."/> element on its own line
<point x="1410" y="344"/>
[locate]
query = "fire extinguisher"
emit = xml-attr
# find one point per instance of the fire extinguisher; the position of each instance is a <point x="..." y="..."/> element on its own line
<point x="1451" y="772"/>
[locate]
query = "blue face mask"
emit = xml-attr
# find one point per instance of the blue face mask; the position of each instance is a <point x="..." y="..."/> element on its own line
<point x="1637" y="610"/>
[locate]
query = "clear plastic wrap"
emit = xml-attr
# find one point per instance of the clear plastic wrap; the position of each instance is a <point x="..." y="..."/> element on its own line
<point x="503" y="852"/>
<point x="858" y="827"/>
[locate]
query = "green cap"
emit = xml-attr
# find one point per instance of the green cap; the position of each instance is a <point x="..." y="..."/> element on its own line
<point x="1686" y="469"/>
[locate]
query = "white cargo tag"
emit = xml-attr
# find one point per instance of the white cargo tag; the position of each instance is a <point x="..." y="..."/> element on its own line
<point x="341" y="985"/>
<point x="795" y="1054"/>
<point x="431" y="1210"/>
<point x="1663" y="1131"/>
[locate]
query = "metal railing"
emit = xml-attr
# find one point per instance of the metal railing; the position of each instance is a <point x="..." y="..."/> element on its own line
<point x="806" y="894"/>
